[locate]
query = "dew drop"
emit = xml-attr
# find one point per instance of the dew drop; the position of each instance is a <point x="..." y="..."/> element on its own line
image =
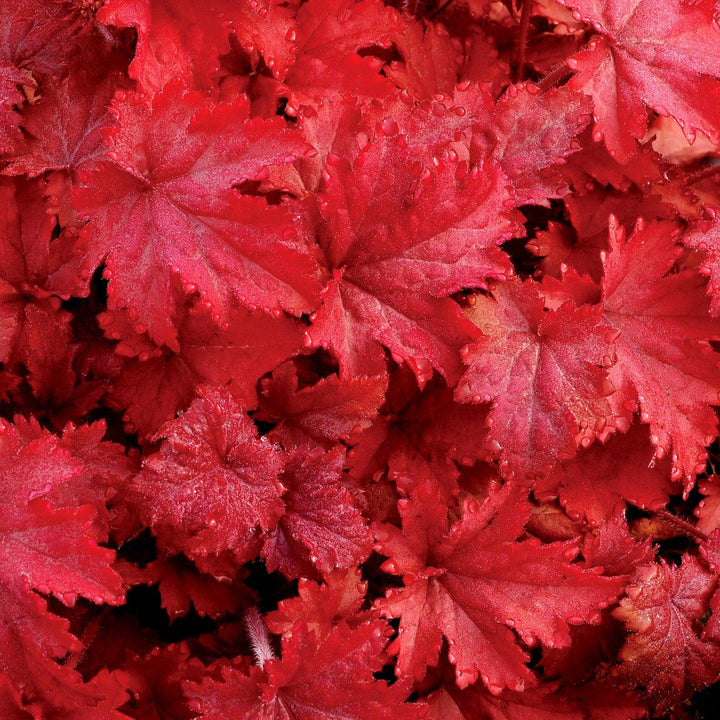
<point x="472" y="505"/>
<point x="463" y="678"/>
<point x="389" y="127"/>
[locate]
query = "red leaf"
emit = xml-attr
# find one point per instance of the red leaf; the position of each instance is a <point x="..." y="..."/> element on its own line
<point x="666" y="60"/>
<point x="615" y="550"/>
<point x="329" y="35"/>
<point x="185" y="39"/>
<point x="597" y="482"/>
<point x="175" y="188"/>
<point x="430" y="63"/>
<point x="476" y="702"/>
<point x="543" y="372"/>
<point x="532" y="133"/>
<point x="32" y="267"/>
<point x="579" y="246"/>
<point x="707" y="239"/>
<point x="321" y="607"/>
<point x="10" y="96"/>
<point x="11" y="705"/>
<point x="708" y="510"/>
<point x="397" y="249"/>
<point x="665" y="365"/>
<point x="313" y="681"/>
<point x="430" y="437"/>
<point x="591" y="648"/>
<point x="64" y="125"/>
<point x="331" y="408"/>
<point x="151" y="390"/>
<point x="666" y="654"/>
<point x="473" y="582"/>
<point x="710" y="550"/>
<point x="36" y="35"/>
<point x="36" y="41"/>
<point x="52" y="551"/>
<point x="155" y="681"/>
<point x="104" y="471"/>
<point x="321" y="527"/>
<point x="212" y="484"/>
<point x="182" y="586"/>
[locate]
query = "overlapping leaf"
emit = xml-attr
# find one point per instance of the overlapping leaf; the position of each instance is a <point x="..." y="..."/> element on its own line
<point x="473" y="584"/>
<point x="665" y="365"/>
<point x="213" y="483"/>
<point x="176" y="189"/>
<point x="666" y="652"/>
<point x="544" y="371"/>
<point x="665" y="58"/>
<point x="399" y="239"/>
<point x="331" y="679"/>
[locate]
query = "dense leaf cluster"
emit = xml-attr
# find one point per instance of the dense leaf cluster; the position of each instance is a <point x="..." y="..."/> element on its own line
<point x="358" y="359"/>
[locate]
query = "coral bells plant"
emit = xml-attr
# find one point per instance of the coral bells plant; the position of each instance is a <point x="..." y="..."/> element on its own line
<point x="359" y="359"/>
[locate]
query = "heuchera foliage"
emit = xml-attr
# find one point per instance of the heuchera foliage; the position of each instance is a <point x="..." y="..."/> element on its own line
<point x="359" y="359"/>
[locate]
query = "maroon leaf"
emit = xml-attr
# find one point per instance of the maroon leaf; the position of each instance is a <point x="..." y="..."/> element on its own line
<point x="666" y="654"/>
<point x="321" y="527"/>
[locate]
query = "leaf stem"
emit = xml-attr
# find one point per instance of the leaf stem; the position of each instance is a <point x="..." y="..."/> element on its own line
<point x="435" y="13"/>
<point x="556" y="76"/>
<point x="686" y="526"/>
<point x="703" y="174"/>
<point x="522" y="39"/>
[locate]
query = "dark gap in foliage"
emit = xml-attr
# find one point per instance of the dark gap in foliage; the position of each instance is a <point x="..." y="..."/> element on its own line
<point x="263" y="427"/>
<point x="706" y="702"/>
<point x="254" y="188"/>
<point x="387" y="55"/>
<point x="272" y="587"/>
<point x="387" y="674"/>
<point x="281" y="106"/>
<point x="145" y="603"/>
<point x="140" y="550"/>
<point x="537" y="218"/>
<point x="378" y="582"/>
<point x="313" y="367"/>
<point x="535" y="658"/>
